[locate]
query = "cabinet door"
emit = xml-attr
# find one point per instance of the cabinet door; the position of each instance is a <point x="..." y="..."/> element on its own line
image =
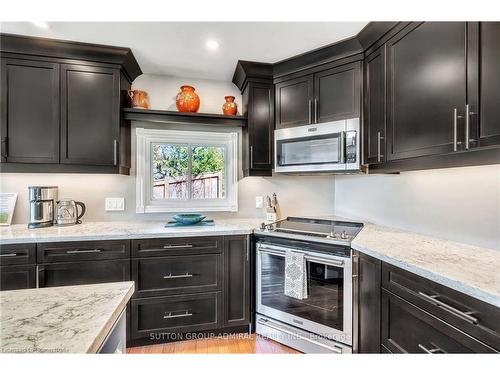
<point x="294" y="102"/>
<point x="426" y="70"/>
<point x="484" y="83"/>
<point x="17" y="277"/>
<point x="337" y="93"/>
<point x="260" y="127"/>
<point x="369" y="295"/>
<point x="408" y="329"/>
<point x="236" y="281"/>
<point x="78" y="273"/>
<point x="30" y="111"/>
<point x="90" y="116"/>
<point x="374" y="107"/>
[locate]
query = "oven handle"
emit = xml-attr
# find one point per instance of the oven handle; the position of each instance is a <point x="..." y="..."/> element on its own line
<point x="266" y="323"/>
<point x="274" y="250"/>
<point x="342" y="147"/>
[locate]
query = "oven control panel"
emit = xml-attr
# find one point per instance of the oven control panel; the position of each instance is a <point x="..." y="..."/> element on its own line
<point x="351" y="146"/>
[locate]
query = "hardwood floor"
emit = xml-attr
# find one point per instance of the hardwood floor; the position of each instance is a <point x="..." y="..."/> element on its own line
<point x="251" y="344"/>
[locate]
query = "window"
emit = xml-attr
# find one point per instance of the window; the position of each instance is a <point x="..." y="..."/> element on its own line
<point x="186" y="171"/>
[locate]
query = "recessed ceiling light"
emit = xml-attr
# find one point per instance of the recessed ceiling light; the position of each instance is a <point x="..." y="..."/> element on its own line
<point x="212" y="44"/>
<point x="41" y="24"/>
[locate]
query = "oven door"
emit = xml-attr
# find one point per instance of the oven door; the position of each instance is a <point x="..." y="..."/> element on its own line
<point x="327" y="311"/>
<point x="311" y="148"/>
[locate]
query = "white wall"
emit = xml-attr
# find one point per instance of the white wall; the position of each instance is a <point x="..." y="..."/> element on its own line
<point x="460" y="204"/>
<point x="162" y="91"/>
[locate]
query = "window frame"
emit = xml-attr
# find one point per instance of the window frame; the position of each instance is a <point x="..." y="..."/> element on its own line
<point x="146" y="138"/>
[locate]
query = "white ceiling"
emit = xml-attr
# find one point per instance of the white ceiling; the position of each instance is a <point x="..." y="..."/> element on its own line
<point x="178" y="48"/>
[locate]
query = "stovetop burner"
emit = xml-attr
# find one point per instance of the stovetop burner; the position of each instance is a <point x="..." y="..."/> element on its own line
<point x="343" y="231"/>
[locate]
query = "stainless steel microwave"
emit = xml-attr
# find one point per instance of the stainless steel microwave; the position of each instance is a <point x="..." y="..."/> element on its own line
<point x="328" y="147"/>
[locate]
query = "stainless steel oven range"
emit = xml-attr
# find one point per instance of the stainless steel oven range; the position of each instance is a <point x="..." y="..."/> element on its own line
<point x="322" y="321"/>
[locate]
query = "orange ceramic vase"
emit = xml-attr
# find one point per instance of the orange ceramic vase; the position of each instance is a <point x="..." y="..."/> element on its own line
<point x="229" y="107"/>
<point x="187" y="100"/>
<point x="139" y="99"/>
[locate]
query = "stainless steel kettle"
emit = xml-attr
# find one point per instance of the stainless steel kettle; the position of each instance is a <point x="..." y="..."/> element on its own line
<point x="67" y="212"/>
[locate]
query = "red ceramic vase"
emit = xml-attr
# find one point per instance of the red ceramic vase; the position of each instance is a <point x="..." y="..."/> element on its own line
<point x="229" y="107"/>
<point x="187" y="100"/>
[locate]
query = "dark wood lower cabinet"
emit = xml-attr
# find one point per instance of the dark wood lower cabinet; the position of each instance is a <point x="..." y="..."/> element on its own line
<point x="409" y="329"/>
<point x="78" y="273"/>
<point x="236" y="281"/>
<point x="17" y="277"/>
<point x="369" y="274"/>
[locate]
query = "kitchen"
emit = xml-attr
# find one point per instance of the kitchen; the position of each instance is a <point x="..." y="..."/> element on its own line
<point x="349" y="202"/>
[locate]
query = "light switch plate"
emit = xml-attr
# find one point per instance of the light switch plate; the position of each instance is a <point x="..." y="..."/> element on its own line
<point x="115" y="204"/>
<point x="259" y="201"/>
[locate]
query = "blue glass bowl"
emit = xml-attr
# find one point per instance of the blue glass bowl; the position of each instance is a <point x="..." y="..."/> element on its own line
<point x="188" y="219"/>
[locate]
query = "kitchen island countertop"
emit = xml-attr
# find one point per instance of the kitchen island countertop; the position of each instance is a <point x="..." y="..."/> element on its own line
<point x="68" y="319"/>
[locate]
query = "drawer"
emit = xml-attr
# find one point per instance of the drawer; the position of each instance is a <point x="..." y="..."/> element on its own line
<point x="177" y="274"/>
<point x="17" y="277"/>
<point x="479" y="319"/>
<point x="409" y="329"/>
<point x="175" y="314"/>
<point x="17" y="254"/>
<point x="77" y="251"/>
<point x="176" y="246"/>
<point x="78" y="273"/>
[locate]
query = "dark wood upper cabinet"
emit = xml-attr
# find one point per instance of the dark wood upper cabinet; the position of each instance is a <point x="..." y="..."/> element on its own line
<point x="294" y="102"/>
<point x="236" y="281"/>
<point x="337" y="93"/>
<point x="426" y="68"/>
<point x="375" y="107"/>
<point x="260" y="130"/>
<point x="483" y="84"/>
<point x="30" y="111"/>
<point x="90" y="117"/>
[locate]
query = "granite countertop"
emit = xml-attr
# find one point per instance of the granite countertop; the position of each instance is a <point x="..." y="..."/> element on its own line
<point x="69" y="319"/>
<point x="472" y="270"/>
<point x="119" y="230"/>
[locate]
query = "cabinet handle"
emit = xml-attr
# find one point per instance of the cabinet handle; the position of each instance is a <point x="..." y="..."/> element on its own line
<point x="185" y="246"/>
<point x="251" y="156"/>
<point x="431" y="351"/>
<point x="455" y="131"/>
<point x="170" y="276"/>
<point x="5" y="147"/>
<point x="310" y="111"/>
<point x="468" y="139"/>
<point x="379" y="155"/>
<point x="315" y="111"/>
<point x="40" y="278"/>
<point x="115" y="152"/>
<point x="461" y="314"/>
<point x="83" y="251"/>
<point x="171" y="316"/>
<point x="8" y="255"/>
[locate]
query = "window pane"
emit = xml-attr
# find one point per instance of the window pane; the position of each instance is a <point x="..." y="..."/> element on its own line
<point x="208" y="166"/>
<point x="170" y="171"/>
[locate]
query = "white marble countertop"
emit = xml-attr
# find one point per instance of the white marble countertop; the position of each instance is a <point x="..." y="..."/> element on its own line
<point x="119" y="230"/>
<point x="472" y="270"/>
<point x="69" y="319"/>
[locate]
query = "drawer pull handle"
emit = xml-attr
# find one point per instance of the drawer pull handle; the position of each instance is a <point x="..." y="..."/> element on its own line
<point x="435" y="350"/>
<point x="467" y="315"/>
<point x="83" y="251"/>
<point x="171" y="316"/>
<point x="170" y="276"/>
<point x="8" y="255"/>
<point x="185" y="246"/>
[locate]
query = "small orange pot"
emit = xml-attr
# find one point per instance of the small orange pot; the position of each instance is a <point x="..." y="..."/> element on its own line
<point x="187" y="100"/>
<point x="229" y="108"/>
<point x="139" y="99"/>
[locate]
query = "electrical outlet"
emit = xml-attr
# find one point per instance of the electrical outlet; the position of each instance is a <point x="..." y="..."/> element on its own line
<point x="259" y="201"/>
<point x="115" y="204"/>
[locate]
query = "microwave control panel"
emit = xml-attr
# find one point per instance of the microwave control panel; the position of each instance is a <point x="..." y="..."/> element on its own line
<point x="351" y="146"/>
